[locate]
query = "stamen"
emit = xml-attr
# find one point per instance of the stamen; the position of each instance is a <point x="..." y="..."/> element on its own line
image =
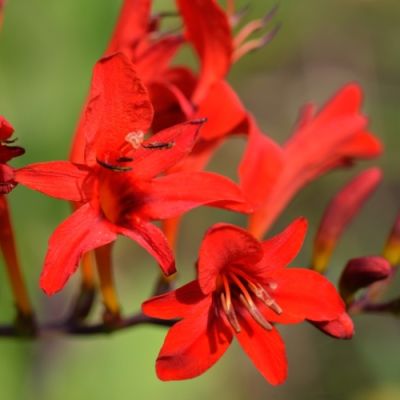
<point x="158" y="145"/>
<point x="135" y="138"/>
<point x="265" y="297"/>
<point x="124" y="159"/>
<point x="255" y="313"/>
<point x="230" y="313"/>
<point x="247" y="301"/>
<point x="255" y="44"/>
<point x="116" y="168"/>
<point x="9" y="141"/>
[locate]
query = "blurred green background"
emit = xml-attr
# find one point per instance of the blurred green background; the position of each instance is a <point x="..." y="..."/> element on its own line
<point x="47" y="50"/>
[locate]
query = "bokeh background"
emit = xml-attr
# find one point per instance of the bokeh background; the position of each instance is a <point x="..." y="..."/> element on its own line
<point x="47" y="50"/>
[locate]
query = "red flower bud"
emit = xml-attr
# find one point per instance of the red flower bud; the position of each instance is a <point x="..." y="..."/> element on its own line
<point x="339" y="213"/>
<point x="362" y="272"/>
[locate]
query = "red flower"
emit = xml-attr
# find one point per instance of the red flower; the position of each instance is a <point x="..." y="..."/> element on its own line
<point x="334" y="137"/>
<point x="118" y="186"/>
<point x="242" y="290"/>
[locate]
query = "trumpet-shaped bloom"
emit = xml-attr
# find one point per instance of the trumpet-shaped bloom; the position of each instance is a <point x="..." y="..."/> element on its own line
<point x="123" y="182"/>
<point x="334" y="137"/>
<point x="243" y="289"/>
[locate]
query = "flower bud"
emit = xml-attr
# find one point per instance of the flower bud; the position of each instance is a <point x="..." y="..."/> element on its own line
<point x="362" y="272"/>
<point x="339" y="213"/>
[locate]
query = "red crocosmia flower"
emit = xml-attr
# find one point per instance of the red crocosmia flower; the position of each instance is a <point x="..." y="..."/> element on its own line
<point x="122" y="184"/>
<point x="334" y="137"/>
<point x="243" y="288"/>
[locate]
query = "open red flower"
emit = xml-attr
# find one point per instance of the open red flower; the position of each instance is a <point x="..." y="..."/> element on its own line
<point x="334" y="137"/>
<point x="242" y="290"/>
<point x="123" y="182"/>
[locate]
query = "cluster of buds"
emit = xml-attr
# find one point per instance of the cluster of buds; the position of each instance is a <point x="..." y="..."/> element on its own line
<point x="145" y="136"/>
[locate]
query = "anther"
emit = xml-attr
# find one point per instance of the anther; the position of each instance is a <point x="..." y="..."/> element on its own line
<point x="255" y="313"/>
<point x="265" y="297"/>
<point x="116" y="168"/>
<point x="158" y="145"/>
<point x="124" y="159"/>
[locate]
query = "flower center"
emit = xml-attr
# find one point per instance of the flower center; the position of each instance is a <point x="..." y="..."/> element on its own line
<point x="237" y="286"/>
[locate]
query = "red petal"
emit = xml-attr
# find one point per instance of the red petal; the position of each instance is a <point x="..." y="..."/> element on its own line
<point x="170" y="105"/>
<point x="340" y="328"/>
<point x="175" y="304"/>
<point x="60" y="179"/>
<point x="6" y="129"/>
<point x="199" y="157"/>
<point x="260" y="166"/>
<point x="156" y="58"/>
<point x="131" y="26"/>
<point x="282" y="249"/>
<point x="207" y="27"/>
<point x="193" y="345"/>
<point x="174" y="194"/>
<point x="266" y="350"/>
<point x="83" y="231"/>
<point x="153" y="241"/>
<point x="219" y="123"/>
<point x="304" y="294"/>
<point x="346" y="101"/>
<point x="179" y="141"/>
<point x="118" y="104"/>
<point x="223" y="246"/>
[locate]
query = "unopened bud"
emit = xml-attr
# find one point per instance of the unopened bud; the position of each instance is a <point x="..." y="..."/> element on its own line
<point x="362" y="272"/>
<point x="6" y="129"/>
<point x="339" y="213"/>
<point x="392" y="248"/>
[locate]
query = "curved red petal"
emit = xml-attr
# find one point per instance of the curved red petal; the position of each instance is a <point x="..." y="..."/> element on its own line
<point x="84" y="230"/>
<point x="59" y="179"/>
<point x="220" y="124"/>
<point x="193" y="345"/>
<point x="261" y="165"/>
<point x="266" y="350"/>
<point x="164" y="149"/>
<point x="132" y="25"/>
<point x="281" y="250"/>
<point x="156" y="58"/>
<point x="305" y="294"/>
<point x="340" y="328"/>
<point x="177" y="303"/>
<point x="152" y="239"/>
<point x="175" y="194"/>
<point x="118" y="105"/>
<point x="225" y="245"/>
<point x="208" y="29"/>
